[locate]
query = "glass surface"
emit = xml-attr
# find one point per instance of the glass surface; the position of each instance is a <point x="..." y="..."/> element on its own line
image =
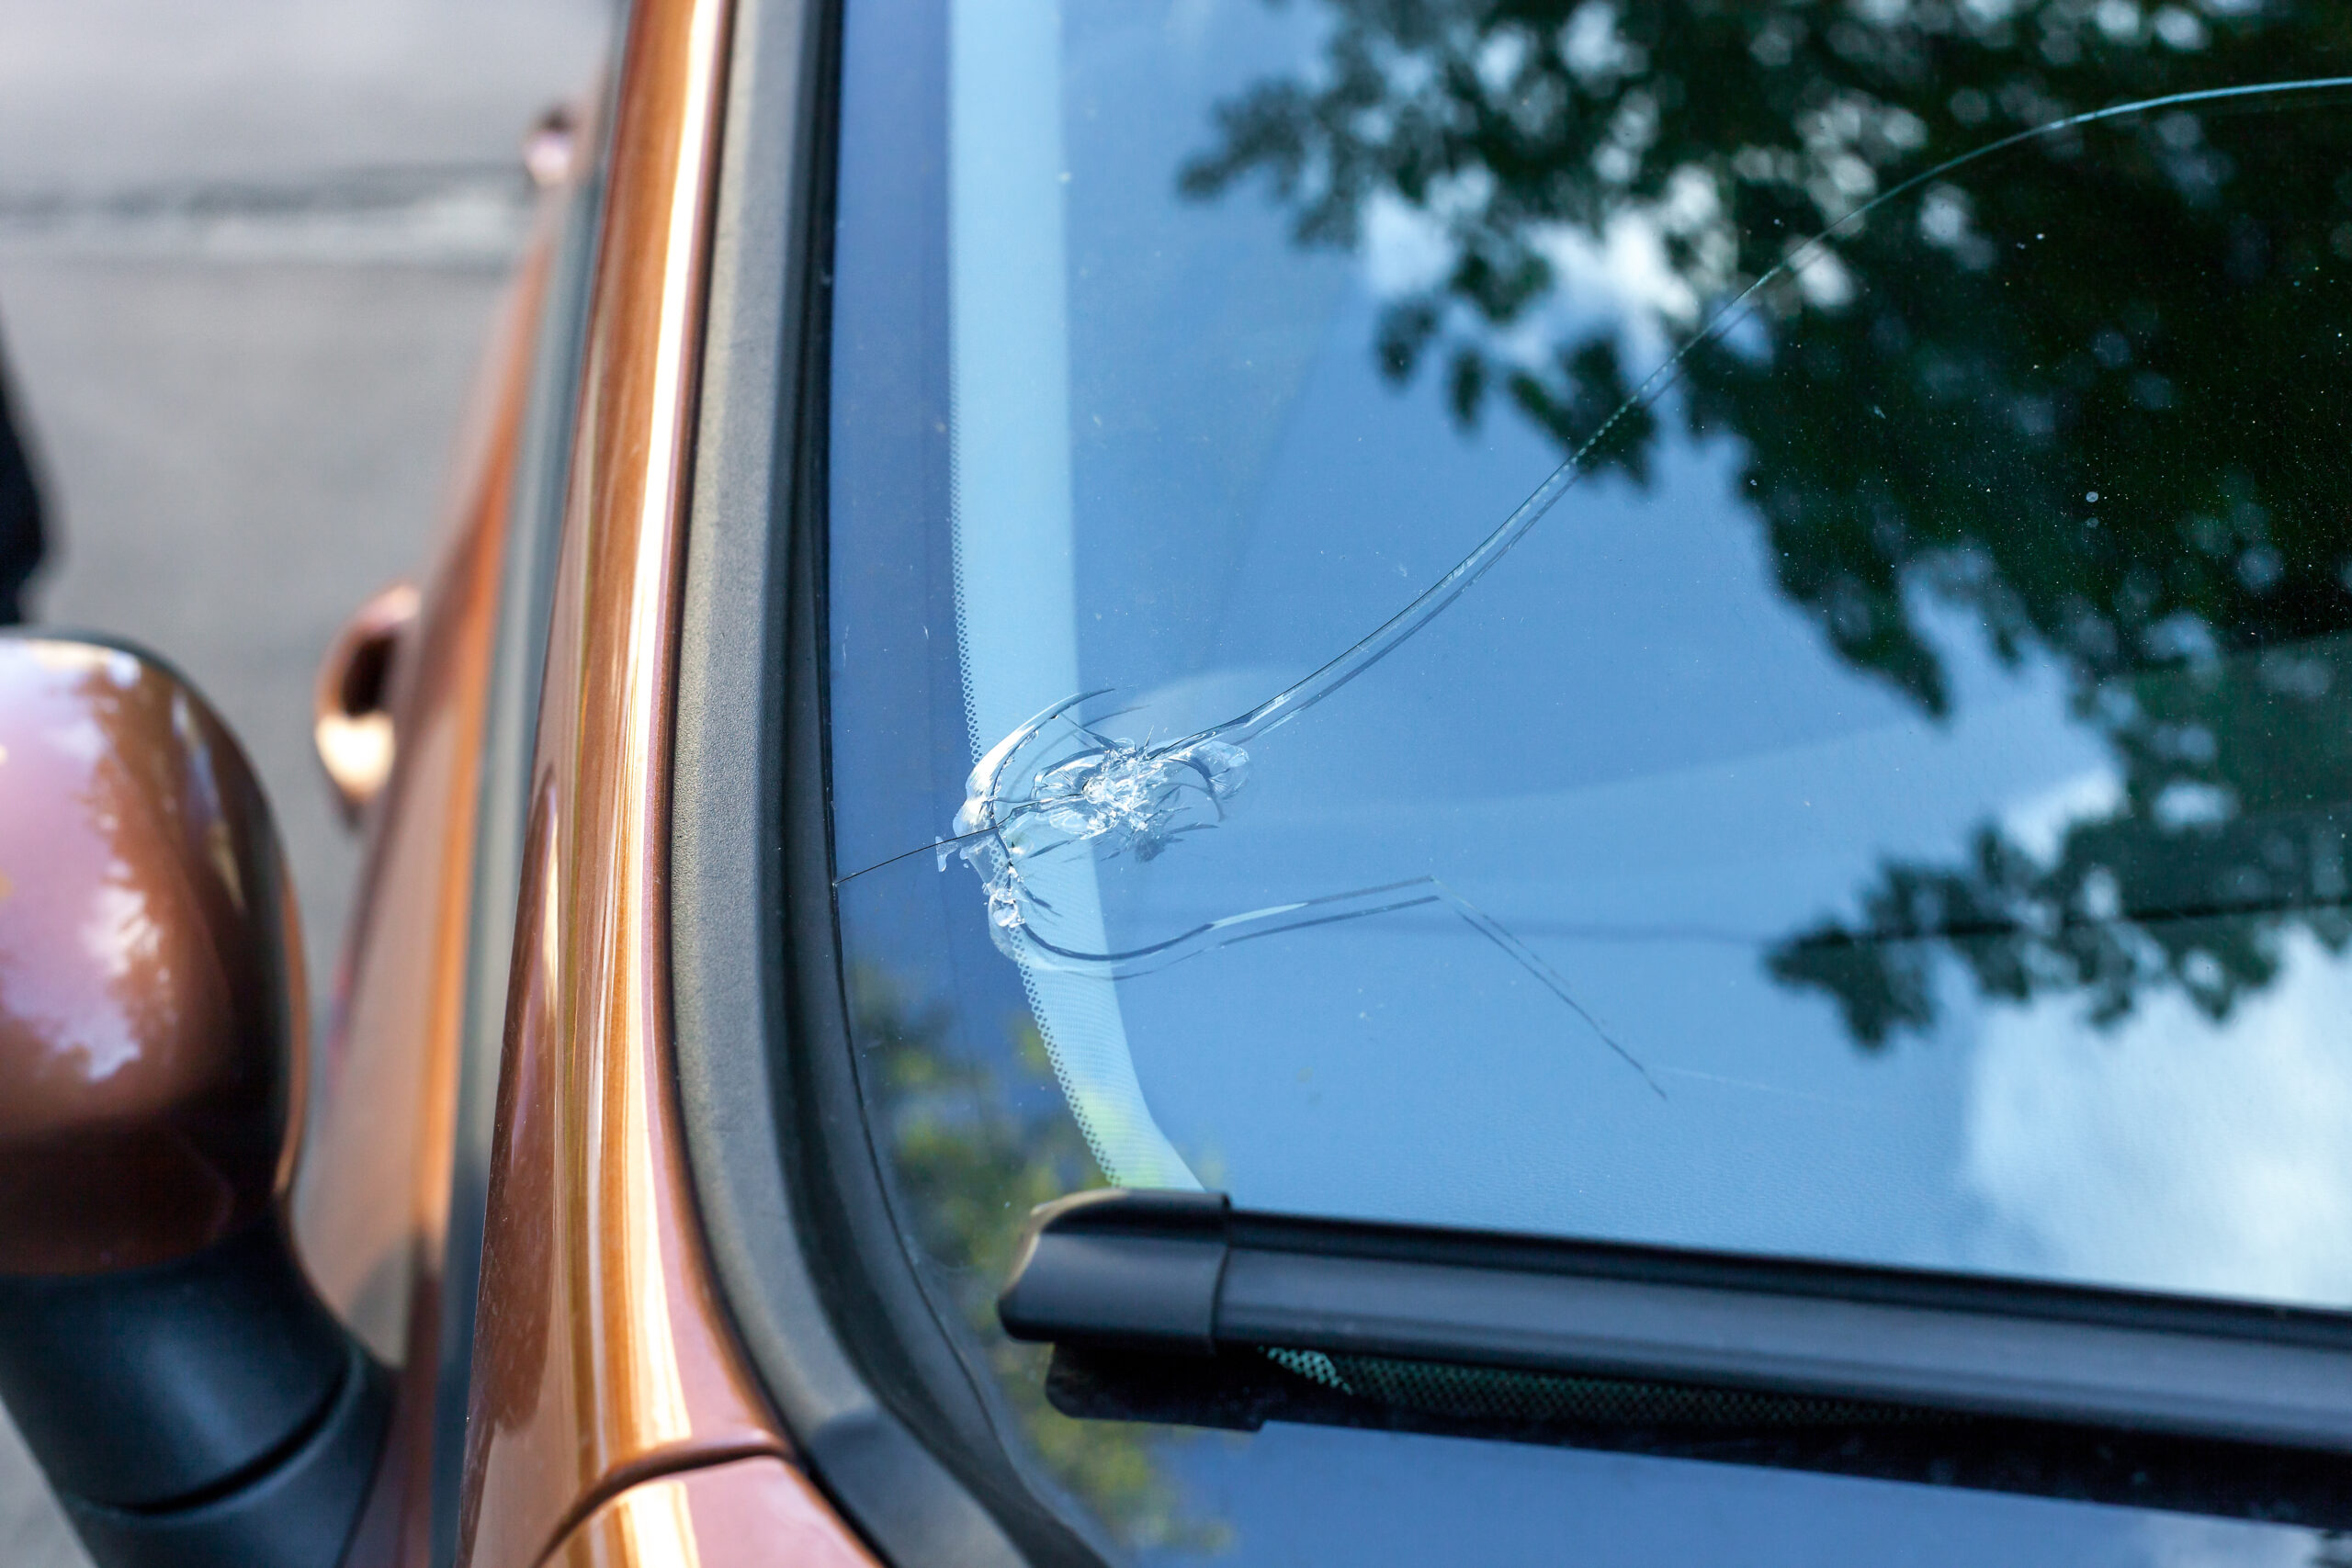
<point x="1710" y="626"/>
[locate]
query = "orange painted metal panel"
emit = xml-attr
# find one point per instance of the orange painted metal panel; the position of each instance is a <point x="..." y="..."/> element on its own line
<point x="371" y="1192"/>
<point x="602" y="1355"/>
<point x="754" y="1511"/>
<point x="146" y="1023"/>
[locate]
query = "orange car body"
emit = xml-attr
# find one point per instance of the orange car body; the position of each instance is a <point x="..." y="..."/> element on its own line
<point x="611" y="1418"/>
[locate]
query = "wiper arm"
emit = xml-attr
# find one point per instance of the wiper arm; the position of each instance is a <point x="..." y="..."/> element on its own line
<point x="1185" y="1273"/>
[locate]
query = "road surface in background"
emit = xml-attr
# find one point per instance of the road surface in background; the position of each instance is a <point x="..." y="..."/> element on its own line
<point x="248" y="253"/>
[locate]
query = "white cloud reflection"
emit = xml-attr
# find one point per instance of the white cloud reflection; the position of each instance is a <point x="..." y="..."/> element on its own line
<point x="2171" y="1153"/>
<point x="2185" y="1540"/>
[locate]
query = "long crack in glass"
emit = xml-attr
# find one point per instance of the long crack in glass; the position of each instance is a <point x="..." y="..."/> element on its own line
<point x="1062" y="785"/>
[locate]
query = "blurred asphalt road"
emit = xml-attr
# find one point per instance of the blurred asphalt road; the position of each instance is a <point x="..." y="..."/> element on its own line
<point x="248" y="252"/>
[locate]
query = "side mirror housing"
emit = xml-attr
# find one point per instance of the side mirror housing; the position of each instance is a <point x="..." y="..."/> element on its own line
<point x="190" y="1396"/>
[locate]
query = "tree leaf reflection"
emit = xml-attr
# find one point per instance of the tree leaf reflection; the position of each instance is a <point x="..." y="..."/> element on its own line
<point x="2086" y="394"/>
<point x="967" y="1163"/>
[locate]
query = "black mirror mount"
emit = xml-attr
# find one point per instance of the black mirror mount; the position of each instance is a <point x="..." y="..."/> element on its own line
<point x="191" y="1399"/>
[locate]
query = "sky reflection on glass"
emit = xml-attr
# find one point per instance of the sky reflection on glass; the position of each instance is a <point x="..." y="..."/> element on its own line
<point x="1917" y="738"/>
<point x="1656" y="785"/>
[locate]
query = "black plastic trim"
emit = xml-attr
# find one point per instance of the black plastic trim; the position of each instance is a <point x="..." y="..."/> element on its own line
<point x="298" y="1512"/>
<point x="1132" y="1270"/>
<point x="1185" y="1273"/>
<point x="216" y="1361"/>
<point x="790" y="1192"/>
<point x="204" y="1411"/>
<point x="1241" y="1392"/>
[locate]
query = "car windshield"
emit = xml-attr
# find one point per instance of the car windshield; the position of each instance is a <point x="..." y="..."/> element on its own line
<point x="1700" y="624"/>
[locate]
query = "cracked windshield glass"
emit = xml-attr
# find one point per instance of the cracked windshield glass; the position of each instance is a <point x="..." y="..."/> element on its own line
<point x="1716" y="625"/>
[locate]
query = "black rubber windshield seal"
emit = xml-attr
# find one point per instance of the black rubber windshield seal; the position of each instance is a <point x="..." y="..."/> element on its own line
<point x="813" y="1272"/>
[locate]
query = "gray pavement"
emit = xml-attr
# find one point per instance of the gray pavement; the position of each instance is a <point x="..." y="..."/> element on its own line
<point x="248" y="250"/>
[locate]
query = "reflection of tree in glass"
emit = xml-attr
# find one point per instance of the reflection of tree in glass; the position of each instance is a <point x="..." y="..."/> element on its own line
<point x="2091" y="391"/>
<point x="969" y="1164"/>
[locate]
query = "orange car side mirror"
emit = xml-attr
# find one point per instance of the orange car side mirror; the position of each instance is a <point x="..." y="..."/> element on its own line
<point x="190" y="1396"/>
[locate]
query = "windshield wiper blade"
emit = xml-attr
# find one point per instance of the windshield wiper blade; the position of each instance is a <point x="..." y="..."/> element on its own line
<point x="1186" y="1273"/>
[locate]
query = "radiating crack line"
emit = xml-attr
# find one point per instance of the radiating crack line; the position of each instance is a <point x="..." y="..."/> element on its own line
<point x="1139" y="797"/>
